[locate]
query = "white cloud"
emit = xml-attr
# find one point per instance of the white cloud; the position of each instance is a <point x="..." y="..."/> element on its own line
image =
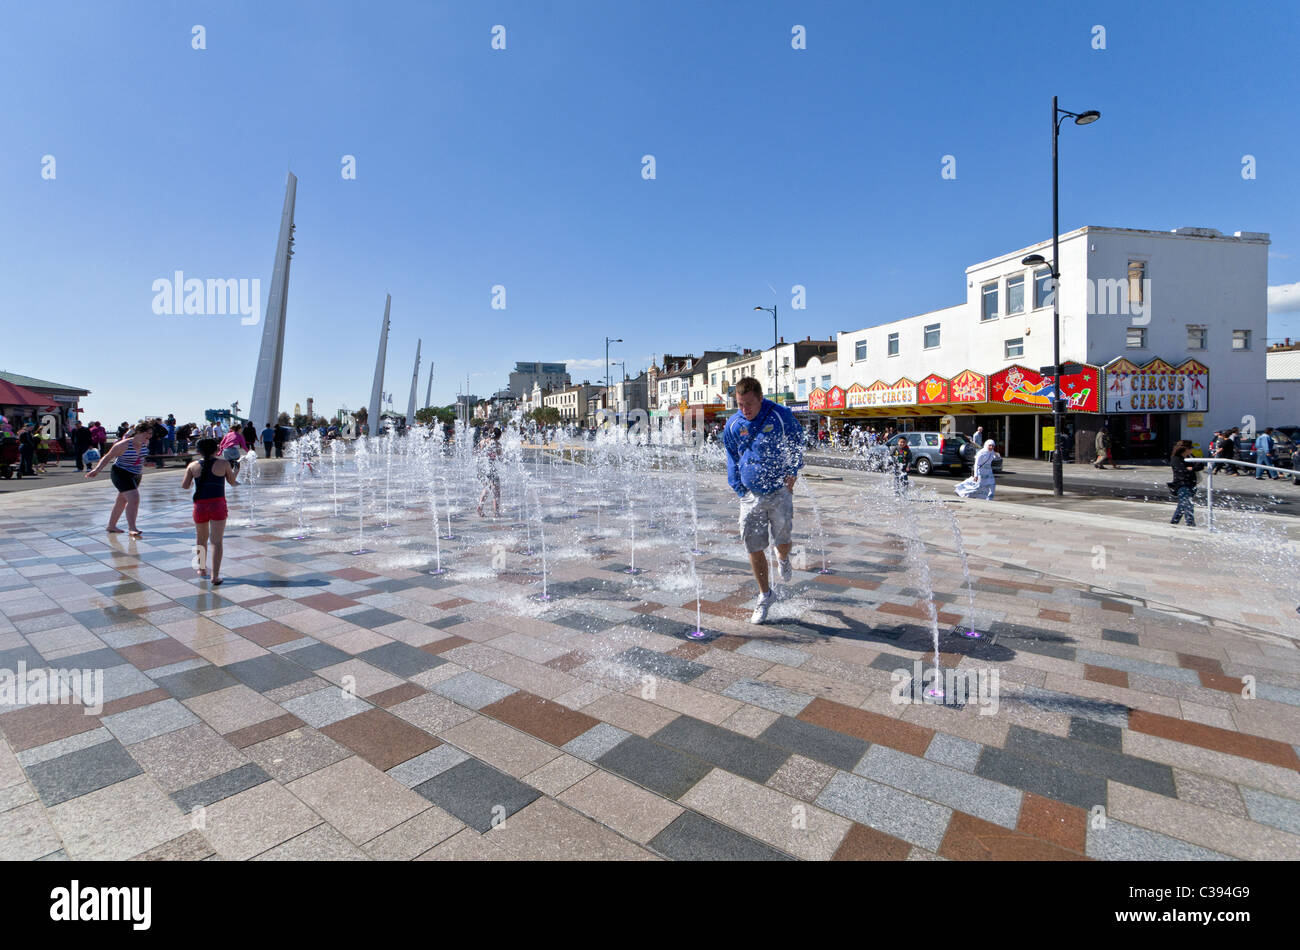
<point x="1284" y="298"/>
<point x="586" y="364"/>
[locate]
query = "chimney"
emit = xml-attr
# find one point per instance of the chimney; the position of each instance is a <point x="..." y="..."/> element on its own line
<point x="782" y="339"/>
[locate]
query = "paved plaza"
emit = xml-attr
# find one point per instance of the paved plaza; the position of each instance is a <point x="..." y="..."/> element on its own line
<point x="326" y="705"/>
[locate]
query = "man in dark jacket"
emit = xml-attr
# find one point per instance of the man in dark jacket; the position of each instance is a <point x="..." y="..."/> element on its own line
<point x="80" y="442"/>
<point x="764" y="455"/>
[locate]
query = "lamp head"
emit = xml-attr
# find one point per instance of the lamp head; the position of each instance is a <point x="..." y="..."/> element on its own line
<point x="1033" y="260"/>
<point x="1086" y="118"/>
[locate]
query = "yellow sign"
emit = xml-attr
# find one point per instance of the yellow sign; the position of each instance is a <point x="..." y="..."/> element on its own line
<point x="1049" y="438"/>
<point x="1195" y="420"/>
<point x="683" y="406"/>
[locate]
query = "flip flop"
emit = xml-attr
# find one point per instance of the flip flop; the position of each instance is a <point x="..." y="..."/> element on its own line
<point x="218" y="582"/>
<point x="137" y="534"/>
<point x="114" y="530"/>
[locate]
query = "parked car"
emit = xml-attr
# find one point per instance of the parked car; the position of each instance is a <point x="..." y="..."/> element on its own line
<point x="1283" y="450"/>
<point x="931" y="450"/>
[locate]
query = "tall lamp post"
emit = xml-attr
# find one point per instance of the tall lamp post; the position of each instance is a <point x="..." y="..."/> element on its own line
<point x="608" y="341"/>
<point x="1059" y="115"/>
<point x="772" y="311"/>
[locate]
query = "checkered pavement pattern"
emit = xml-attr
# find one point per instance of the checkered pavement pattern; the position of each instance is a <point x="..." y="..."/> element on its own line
<point x="321" y="705"/>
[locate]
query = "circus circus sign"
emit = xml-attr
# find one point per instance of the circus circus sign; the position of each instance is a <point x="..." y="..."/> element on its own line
<point x="1157" y="386"/>
<point x="900" y="393"/>
<point x="1020" y="385"/>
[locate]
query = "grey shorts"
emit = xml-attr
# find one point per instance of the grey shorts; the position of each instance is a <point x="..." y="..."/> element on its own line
<point x="760" y="514"/>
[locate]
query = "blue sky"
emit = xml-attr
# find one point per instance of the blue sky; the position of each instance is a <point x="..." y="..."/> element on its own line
<point x="522" y="167"/>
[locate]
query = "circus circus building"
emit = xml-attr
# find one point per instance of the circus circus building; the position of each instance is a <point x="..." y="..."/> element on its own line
<point x="1161" y="338"/>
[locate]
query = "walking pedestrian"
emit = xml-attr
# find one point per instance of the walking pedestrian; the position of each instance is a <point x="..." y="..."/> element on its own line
<point x="1184" y="484"/>
<point x="127" y="468"/>
<point x="981" y="483"/>
<point x="762" y="443"/>
<point x="978" y="437"/>
<point x="233" y="446"/>
<point x="1264" y="452"/>
<point x="81" y="441"/>
<point x="278" y="438"/>
<point x="1103" y="449"/>
<point x="491" y="474"/>
<point x="268" y="439"/>
<point x="209" y="477"/>
<point x="26" y="451"/>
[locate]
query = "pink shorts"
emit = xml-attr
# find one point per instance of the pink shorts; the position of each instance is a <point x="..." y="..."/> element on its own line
<point x="209" y="509"/>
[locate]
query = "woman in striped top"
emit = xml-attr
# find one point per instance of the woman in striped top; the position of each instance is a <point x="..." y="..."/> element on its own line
<point x="127" y="460"/>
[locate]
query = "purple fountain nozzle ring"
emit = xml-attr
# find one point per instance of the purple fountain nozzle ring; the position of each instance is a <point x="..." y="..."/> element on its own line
<point x="696" y="635"/>
<point x="971" y="634"/>
<point x="934" y="692"/>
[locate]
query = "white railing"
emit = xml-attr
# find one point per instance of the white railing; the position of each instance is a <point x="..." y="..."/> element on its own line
<point x="1209" y="463"/>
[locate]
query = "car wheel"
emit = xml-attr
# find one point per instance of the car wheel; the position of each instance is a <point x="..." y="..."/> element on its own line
<point x="923" y="466"/>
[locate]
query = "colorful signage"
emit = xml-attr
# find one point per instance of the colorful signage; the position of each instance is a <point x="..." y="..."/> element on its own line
<point x="969" y="387"/>
<point x="881" y="394"/>
<point x="817" y="400"/>
<point x="835" y="398"/>
<point x="933" y="389"/>
<point x="1020" y="385"/>
<point x="1157" y="386"/>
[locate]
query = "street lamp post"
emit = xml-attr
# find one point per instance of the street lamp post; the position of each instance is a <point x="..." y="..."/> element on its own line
<point x="1058" y="404"/>
<point x="608" y="341"/>
<point x="772" y="311"/>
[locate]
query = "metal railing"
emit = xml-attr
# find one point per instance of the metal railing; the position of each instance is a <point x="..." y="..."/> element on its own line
<point x="1209" y="464"/>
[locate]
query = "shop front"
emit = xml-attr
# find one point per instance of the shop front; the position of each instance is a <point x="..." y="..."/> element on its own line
<point x="1012" y="405"/>
<point x="1145" y="404"/>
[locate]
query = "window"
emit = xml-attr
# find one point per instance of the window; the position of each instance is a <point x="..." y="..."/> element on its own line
<point x="1241" y="339"/>
<point x="1137" y="338"/>
<point x="931" y="439"/>
<point x="674" y="385"/>
<point x="893" y="344"/>
<point x="802" y="389"/>
<point x="769" y="367"/>
<point x="860" y="350"/>
<point x="1016" y="294"/>
<point x="990" y="306"/>
<point x="826" y="382"/>
<point x="713" y="380"/>
<point x="932" y="336"/>
<point x="1042" y="288"/>
<point x="913" y="438"/>
<point x="1137" y="272"/>
<point x="734" y="375"/>
<point x="1196" y="338"/>
<point x="1013" y="349"/>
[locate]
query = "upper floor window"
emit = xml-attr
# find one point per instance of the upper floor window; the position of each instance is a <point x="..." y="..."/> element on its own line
<point x="802" y="388"/>
<point x="1137" y="273"/>
<point x="1196" y="337"/>
<point x="826" y="382"/>
<point x="1042" y="288"/>
<point x="1241" y="339"/>
<point x="769" y="367"/>
<point x="1016" y="294"/>
<point x="1013" y="349"/>
<point x="989" y="309"/>
<point x="932" y="336"/>
<point x="893" y="344"/>
<point x="1137" y="338"/>
<point x="860" y="350"/>
<point x="713" y="380"/>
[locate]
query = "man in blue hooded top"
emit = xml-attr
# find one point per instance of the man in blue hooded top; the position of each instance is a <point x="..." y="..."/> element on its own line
<point x="763" y="443"/>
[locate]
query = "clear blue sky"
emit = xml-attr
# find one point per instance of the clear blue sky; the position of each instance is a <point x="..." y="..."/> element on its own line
<point x="522" y="167"/>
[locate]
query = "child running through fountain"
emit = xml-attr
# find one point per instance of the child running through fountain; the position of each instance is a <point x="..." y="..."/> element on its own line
<point x="491" y="473"/>
<point x="762" y="443"/>
<point x="209" y="478"/>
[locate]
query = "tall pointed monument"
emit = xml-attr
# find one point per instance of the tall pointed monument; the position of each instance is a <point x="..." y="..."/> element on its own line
<point x="265" y="406"/>
<point x="415" y="379"/>
<point x="377" y="388"/>
<point x="428" y="393"/>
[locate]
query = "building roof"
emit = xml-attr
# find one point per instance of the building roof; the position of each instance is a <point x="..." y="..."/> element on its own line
<point x="1283" y="365"/>
<point x="30" y="382"/>
<point x="12" y="395"/>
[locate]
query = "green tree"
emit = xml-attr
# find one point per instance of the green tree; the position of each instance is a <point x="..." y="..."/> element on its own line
<point x="545" y="416"/>
<point x="282" y="419"/>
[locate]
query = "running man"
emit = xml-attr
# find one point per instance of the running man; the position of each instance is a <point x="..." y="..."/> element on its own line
<point x="762" y="443"/>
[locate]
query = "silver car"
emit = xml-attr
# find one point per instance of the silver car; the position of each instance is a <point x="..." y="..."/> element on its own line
<point x="932" y="450"/>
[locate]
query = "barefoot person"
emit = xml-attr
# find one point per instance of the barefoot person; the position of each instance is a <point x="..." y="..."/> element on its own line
<point x="762" y="443"/>
<point x="491" y="476"/>
<point x="209" y="478"/>
<point x="127" y="460"/>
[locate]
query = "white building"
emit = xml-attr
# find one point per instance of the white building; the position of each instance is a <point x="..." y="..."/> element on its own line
<point x="1174" y="320"/>
<point x="1283" y="372"/>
